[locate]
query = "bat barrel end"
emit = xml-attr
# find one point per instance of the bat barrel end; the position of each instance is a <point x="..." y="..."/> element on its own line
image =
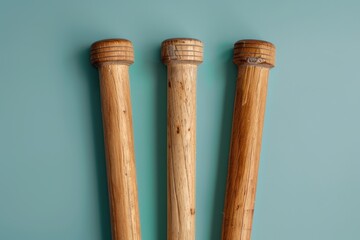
<point x="112" y="50"/>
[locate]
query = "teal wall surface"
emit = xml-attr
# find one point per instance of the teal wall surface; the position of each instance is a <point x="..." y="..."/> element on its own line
<point x="52" y="172"/>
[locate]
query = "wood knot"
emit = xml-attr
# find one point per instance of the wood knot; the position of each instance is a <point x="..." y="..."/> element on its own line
<point x="192" y="211"/>
<point x="177" y="129"/>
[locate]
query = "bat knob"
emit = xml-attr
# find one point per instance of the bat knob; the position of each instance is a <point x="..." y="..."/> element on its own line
<point x="254" y="52"/>
<point x="184" y="50"/>
<point x="112" y="50"/>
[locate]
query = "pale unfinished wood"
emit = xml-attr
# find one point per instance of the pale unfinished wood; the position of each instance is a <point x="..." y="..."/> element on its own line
<point x="181" y="57"/>
<point x="113" y="57"/>
<point x="254" y="59"/>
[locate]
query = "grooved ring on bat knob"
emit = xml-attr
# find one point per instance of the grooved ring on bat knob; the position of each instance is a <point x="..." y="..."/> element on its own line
<point x="254" y="52"/>
<point x="185" y="50"/>
<point x="112" y="51"/>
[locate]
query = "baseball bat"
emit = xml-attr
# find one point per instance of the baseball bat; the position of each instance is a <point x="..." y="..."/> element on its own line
<point x="182" y="56"/>
<point x="254" y="59"/>
<point x="113" y="57"/>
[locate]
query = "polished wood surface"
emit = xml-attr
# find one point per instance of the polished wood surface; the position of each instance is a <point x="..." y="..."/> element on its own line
<point x="254" y="59"/>
<point x="112" y="58"/>
<point x="181" y="57"/>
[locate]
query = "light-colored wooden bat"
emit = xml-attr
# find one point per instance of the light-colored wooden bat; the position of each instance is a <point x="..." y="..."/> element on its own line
<point x="182" y="56"/>
<point x="113" y="57"/>
<point x="254" y="59"/>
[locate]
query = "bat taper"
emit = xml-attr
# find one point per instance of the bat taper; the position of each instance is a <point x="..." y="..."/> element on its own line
<point x="113" y="57"/>
<point x="182" y="56"/>
<point x="254" y="59"/>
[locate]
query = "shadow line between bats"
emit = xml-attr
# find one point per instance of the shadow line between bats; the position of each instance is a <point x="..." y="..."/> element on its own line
<point x="92" y="81"/>
<point x="230" y="72"/>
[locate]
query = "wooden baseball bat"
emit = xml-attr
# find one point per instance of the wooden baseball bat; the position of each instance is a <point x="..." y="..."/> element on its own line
<point x="113" y="57"/>
<point x="254" y="59"/>
<point x="181" y="56"/>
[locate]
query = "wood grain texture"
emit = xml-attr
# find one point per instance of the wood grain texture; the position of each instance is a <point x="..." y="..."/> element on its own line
<point x="182" y="57"/>
<point x="113" y="57"/>
<point x="254" y="58"/>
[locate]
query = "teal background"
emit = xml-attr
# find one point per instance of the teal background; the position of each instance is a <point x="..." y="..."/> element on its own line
<point x="52" y="173"/>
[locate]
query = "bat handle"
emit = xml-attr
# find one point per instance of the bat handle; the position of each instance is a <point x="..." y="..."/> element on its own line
<point x="181" y="57"/>
<point x="254" y="59"/>
<point x="113" y="57"/>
